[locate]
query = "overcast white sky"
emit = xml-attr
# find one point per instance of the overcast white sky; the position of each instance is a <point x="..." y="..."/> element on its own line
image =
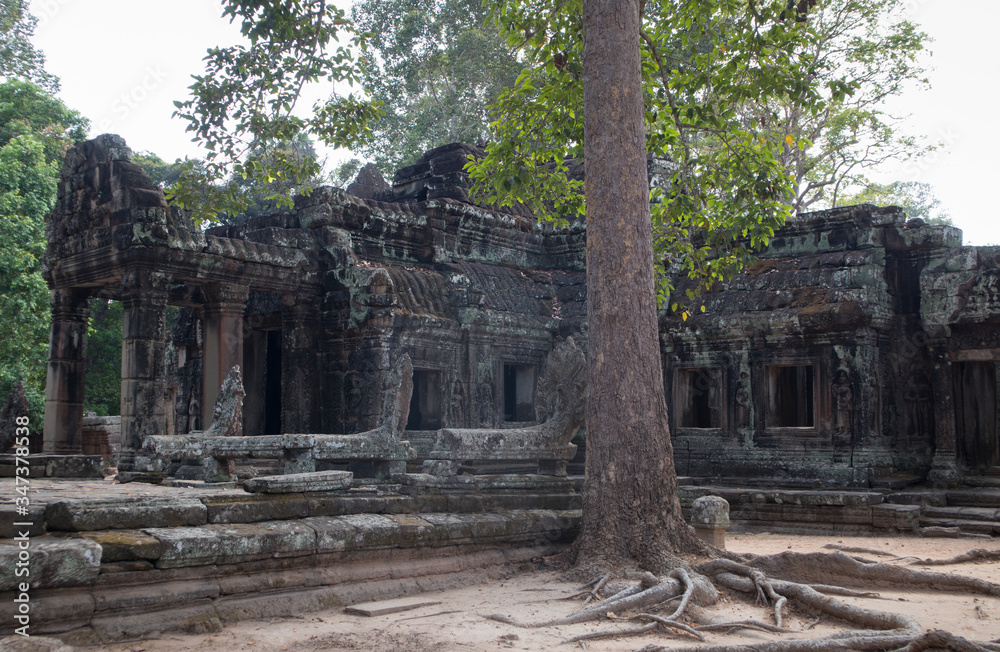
<point x="122" y="63"/>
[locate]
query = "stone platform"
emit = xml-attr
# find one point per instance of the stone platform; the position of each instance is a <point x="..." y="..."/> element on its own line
<point x="111" y="562"/>
<point x="909" y="511"/>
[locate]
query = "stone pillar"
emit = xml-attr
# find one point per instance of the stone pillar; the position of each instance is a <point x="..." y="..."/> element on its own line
<point x="144" y="300"/>
<point x="64" y="386"/>
<point x="944" y="466"/>
<point x="299" y="355"/>
<point x="710" y="518"/>
<point x="222" y="318"/>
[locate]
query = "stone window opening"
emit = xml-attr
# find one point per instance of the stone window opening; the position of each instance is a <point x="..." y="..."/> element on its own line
<point x="425" y="401"/>
<point x="697" y="397"/>
<point x="519" y="392"/>
<point x="791" y="396"/>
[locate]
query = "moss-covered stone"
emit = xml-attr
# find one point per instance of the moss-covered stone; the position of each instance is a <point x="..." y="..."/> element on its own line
<point x="125" y="545"/>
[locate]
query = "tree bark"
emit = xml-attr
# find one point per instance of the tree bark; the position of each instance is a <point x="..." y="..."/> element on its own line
<point x="631" y="510"/>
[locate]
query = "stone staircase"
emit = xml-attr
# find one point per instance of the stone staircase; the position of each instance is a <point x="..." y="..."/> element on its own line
<point x="970" y="510"/>
<point x="965" y="511"/>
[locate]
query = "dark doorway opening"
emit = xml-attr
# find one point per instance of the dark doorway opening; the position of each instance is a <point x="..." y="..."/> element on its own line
<point x="791" y="402"/>
<point x="425" y="402"/>
<point x="272" y="384"/>
<point x="976" y="414"/>
<point x="519" y="392"/>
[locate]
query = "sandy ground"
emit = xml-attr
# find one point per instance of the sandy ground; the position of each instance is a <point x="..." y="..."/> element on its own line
<point x="457" y="624"/>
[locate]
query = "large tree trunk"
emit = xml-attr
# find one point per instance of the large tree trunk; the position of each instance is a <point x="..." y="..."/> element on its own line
<point x="631" y="510"/>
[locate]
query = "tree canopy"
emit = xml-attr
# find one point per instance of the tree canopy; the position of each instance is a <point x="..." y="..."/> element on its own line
<point x="436" y="66"/>
<point x="873" y="49"/>
<point x="917" y="199"/>
<point x="19" y="59"/>
<point x="35" y="131"/>
<point x="246" y="101"/>
<point x="724" y="188"/>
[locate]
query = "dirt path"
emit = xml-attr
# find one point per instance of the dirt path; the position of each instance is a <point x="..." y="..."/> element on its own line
<point x="456" y="624"/>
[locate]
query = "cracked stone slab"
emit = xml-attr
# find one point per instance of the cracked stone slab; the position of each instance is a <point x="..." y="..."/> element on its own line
<point x="386" y="607"/>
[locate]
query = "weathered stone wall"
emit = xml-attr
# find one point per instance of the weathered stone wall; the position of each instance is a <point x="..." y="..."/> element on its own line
<point x="832" y="358"/>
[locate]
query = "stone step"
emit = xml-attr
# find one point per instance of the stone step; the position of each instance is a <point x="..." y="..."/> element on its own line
<point x="917" y="497"/>
<point x="961" y="513"/>
<point x="985" y="497"/>
<point x="989" y="528"/>
<point x="987" y="481"/>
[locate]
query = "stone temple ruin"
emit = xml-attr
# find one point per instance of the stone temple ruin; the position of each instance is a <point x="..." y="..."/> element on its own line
<point x="314" y="306"/>
<point x="404" y="372"/>
<point x="860" y="346"/>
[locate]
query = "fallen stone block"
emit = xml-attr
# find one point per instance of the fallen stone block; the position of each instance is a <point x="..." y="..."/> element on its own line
<point x="300" y="482"/>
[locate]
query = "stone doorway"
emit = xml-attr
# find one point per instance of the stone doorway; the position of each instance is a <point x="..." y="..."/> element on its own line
<point x="976" y="414"/>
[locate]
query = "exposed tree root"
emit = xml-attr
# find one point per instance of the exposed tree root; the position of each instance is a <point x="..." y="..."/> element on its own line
<point x="597" y="588"/>
<point x="979" y="554"/>
<point x="934" y="640"/>
<point x="841" y="591"/>
<point x="864" y="551"/>
<point x="777" y="580"/>
<point x="805" y="567"/>
<point x="757" y="625"/>
<point x="634" y="631"/>
<point x="673" y="624"/>
<point x="651" y="592"/>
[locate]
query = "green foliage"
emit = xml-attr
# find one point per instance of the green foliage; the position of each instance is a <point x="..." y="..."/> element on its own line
<point x="104" y="358"/>
<point x="345" y="173"/>
<point x="35" y="131"/>
<point x="723" y="187"/>
<point x="245" y="102"/>
<point x="27" y="109"/>
<point x="436" y="66"/>
<point x="162" y="173"/>
<point x="266" y="196"/>
<point x="18" y="57"/>
<point x="866" y="44"/>
<point x="917" y="200"/>
<point x="27" y="189"/>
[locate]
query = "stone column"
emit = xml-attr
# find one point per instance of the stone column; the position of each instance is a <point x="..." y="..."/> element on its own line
<point x="222" y="330"/>
<point x="64" y="386"/>
<point x="299" y="355"/>
<point x="944" y="466"/>
<point x="144" y="300"/>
